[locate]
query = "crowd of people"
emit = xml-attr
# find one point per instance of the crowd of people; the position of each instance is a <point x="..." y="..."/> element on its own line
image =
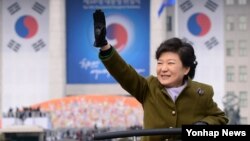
<point x="79" y="118"/>
<point x="84" y="112"/>
<point x="87" y="113"/>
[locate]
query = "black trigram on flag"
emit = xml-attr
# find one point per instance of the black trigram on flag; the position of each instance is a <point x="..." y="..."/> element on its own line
<point x="186" y="5"/>
<point x="13" y="8"/>
<point x="212" y="42"/>
<point x="39" y="8"/>
<point x="38" y="45"/>
<point x="14" y="45"/>
<point x="211" y="5"/>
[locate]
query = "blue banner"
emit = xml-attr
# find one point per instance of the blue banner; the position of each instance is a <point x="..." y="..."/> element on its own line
<point x="128" y="29"/>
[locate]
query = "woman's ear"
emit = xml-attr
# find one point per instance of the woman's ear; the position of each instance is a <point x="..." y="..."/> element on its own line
<point x="187" y="70"/>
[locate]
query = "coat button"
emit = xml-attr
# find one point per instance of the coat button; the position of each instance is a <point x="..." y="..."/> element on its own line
<point x="173" y="113"/>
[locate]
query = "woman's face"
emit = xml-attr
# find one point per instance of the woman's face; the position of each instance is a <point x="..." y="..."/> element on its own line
<point x="170" y="70"/>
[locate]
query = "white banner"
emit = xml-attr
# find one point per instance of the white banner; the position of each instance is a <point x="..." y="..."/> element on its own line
<point x="24" y="52"/>
<point x="200" y="22"/>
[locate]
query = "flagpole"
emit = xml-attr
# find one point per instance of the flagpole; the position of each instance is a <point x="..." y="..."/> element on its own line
<point x="176" y="19"/>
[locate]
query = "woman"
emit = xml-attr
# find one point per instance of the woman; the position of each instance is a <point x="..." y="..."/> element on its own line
<point x="171" y="99"/>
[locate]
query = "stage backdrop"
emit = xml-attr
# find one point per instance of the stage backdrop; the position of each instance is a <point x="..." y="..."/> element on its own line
<point x="201" y="24"/>
<point x="24" y="52"/>
<point x="127" y="25"/>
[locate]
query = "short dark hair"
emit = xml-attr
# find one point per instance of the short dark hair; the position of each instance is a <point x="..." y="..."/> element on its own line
<point x="183" y="49"/>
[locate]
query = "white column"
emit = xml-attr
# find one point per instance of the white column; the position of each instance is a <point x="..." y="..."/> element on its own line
<point x="57" y="40"/>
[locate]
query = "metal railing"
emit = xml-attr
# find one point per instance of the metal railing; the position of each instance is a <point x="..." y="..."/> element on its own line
<point x="136" y="133"/>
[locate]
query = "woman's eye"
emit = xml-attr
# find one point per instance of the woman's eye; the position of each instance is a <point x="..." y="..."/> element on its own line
<point x="159" y="63"/>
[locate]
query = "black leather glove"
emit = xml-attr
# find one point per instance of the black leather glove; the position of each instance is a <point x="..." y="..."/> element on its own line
<point x="99" y="28"/>
<point x="200" y="123"/>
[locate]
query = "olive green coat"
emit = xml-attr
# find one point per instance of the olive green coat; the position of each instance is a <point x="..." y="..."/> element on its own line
<point x="195" y="103"/>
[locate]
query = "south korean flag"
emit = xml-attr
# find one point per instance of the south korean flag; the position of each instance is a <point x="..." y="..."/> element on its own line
<point x="25" y="25"/>
<point x="25" y="55"/>
<point x="200" y="22"/>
